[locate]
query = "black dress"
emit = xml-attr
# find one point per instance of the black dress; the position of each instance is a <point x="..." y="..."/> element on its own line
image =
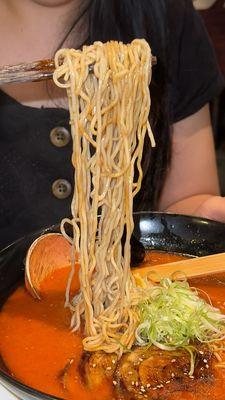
<point x="36" y="176"/>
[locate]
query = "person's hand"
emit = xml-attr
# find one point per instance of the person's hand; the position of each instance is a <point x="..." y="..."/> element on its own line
<point x="212" y="208"/>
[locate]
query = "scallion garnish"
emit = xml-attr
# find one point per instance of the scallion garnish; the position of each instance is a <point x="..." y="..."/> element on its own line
<point x="173" y="316"/>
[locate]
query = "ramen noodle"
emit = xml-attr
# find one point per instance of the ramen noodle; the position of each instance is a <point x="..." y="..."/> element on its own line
<point x="109" y="102"/>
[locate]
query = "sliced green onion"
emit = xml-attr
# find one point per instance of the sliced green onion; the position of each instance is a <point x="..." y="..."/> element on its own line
<point x="174" y="316"/>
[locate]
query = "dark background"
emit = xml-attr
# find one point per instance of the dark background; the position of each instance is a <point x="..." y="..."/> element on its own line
<point x="214" y="19"/>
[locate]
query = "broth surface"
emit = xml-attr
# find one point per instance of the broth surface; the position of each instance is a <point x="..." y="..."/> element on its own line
<point x="39" y="349"/>
<point x="160" y="257"/>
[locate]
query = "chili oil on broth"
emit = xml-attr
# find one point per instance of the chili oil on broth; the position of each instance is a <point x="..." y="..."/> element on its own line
<point x="153" y="257"/>
<point x="40" y="350"/>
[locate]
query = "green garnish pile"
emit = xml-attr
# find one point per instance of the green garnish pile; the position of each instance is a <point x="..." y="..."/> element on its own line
<point x="173" y="316"/>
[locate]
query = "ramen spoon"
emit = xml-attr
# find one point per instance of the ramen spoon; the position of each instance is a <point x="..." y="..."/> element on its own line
<point x="52" y="251"/>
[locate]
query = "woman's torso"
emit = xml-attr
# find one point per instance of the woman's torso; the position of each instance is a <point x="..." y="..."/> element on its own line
<point x="30" y="160"/>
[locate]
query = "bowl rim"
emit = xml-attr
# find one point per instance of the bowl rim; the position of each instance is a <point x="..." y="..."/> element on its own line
<point x="25" y="388"/>
<point x="144" y="212"/>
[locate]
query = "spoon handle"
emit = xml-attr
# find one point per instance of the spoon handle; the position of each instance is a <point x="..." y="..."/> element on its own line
<point x="192" y="267"/>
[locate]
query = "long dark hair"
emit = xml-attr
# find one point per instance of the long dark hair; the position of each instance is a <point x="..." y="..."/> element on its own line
<point x="126" y="20"/>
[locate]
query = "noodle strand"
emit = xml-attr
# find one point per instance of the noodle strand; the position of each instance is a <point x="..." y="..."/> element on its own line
<point x="109" y="110"/>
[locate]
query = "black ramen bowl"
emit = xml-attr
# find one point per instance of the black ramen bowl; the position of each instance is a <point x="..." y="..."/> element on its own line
<point x="158" y="231"/>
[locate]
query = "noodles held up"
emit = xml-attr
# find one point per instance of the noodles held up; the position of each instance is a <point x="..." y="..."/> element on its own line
<point x="109" y="109"/>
